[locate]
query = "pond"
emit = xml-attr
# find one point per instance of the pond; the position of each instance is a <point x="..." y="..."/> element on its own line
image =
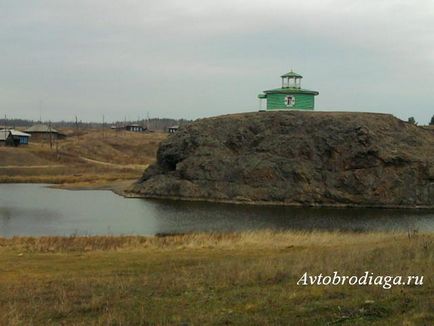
<point x="36" y="210"/>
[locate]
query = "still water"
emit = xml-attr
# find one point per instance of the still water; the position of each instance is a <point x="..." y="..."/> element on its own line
<point x="35" y="210"/>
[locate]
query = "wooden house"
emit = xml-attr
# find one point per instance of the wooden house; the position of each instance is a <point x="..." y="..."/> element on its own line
<point x="135" y="128"/>
<point x="12" y="137"/>
<point x="44" y="133"/>
<point x="288" y="97"/>
<point x="5" y="138"/>
<point x="172" y="129"/>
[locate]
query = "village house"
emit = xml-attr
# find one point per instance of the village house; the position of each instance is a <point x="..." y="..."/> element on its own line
<point x="44" y="132"/>
<point x="131" y="127"/>
<point x="135" y="128"/>
<point x="172" y="129"/>
<point x="5" y="138"/>
<point x="12" y="137"/>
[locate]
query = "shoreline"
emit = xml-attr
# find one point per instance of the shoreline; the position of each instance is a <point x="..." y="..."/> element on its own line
<point x="120" y="188"/>
<point x="275" y="203"/>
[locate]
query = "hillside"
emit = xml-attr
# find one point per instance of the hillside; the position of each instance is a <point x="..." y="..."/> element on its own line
<point x="296" y="158"/>
<point x="93" y="157"/>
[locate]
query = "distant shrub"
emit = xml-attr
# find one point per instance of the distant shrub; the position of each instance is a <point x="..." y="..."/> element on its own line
<point x="412" y="120"/>
<point x="432" y="121"/>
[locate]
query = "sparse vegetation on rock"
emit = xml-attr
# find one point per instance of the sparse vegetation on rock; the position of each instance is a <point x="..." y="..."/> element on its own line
<point x="297" y="158"/>
<point x="412" y="120"/>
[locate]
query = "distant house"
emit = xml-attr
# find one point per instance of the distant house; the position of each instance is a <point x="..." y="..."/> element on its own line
<point x="5" y="138"/>
<point x="44" y="132"/>
<point x="12" y="137"/>
<point x="135" y="128"/>
<point x="173" y="129"/>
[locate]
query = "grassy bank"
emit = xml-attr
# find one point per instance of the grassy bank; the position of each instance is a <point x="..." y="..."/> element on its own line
<point x="92" y="159"/>
<point x="242" y="278"/>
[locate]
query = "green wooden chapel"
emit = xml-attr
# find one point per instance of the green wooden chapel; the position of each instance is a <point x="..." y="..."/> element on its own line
<point x="290" y="96"/>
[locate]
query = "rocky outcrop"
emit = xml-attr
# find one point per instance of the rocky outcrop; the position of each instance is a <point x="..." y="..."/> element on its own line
<point x="296" y="158"/>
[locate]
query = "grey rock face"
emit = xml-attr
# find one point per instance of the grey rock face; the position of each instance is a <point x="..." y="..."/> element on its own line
<point x="297" y="158"/>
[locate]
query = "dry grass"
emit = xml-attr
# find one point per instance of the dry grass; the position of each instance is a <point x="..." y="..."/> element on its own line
<point x="265" y="239"/>
<point x="198" y="279"/>
<point x="115" y="147"/>
<point x="92" y="158"/>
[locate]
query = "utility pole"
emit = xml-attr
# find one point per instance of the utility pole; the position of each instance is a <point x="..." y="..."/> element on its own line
<point x="57" y="149"/>
<point x="51" y="134"/>
<point x="76" y="128"/>
<point x="40" y="111"/>
<point x="103" y="127"/>
<point x="6" y="133"/>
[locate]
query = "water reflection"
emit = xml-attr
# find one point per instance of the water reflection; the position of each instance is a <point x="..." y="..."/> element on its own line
<point x="205" y="216"/>
<point x="37" y="210"/>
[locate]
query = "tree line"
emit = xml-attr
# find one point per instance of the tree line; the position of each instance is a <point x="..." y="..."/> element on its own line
<point x="412" y="120"/>
<point x="151" y="124"/>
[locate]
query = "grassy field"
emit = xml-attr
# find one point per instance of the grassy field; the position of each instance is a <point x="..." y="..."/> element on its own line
<point x="219" y="279"/>
<point x="93" y="158"/>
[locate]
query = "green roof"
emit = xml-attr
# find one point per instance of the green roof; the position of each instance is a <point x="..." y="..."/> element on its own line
<point x="290" y="90"/>
<point x="292" y="74"/>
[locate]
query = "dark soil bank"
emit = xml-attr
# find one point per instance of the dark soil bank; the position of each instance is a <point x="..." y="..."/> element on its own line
<point x="297" y="158"/>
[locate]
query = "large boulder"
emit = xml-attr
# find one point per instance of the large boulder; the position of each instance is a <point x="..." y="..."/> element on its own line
<point x="296" y="158"/>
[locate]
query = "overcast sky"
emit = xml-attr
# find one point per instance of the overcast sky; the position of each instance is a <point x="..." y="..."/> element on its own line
<point x="198" y="58"/>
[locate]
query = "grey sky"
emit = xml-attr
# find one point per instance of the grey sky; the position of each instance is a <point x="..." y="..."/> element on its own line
<point x="197" y="58"/>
